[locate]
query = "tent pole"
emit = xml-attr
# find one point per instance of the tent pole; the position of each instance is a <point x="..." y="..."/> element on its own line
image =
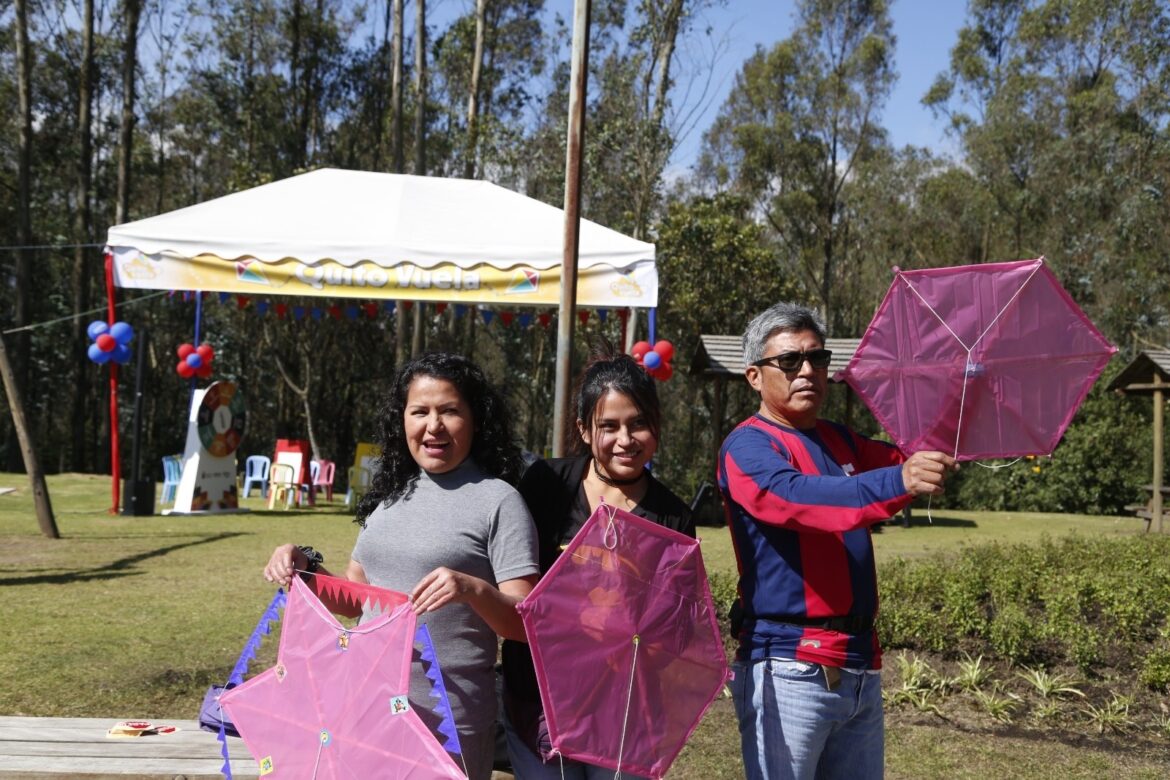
<point x="573" y="151"/>
<point x="115" y="450"/>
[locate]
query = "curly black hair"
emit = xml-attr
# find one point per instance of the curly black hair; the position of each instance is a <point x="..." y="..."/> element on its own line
<point x="609" y="369"/>
<point x="493" y="448"/>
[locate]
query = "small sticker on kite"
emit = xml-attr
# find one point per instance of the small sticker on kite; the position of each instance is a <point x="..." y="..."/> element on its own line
<point x="399" y="705"/>
<point x="280" y="672"/>
<point x="266" y="766"/>
<point x="343" y="641"/>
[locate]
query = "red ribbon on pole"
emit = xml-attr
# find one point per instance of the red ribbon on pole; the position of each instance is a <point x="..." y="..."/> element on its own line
<point x="115" y="455"/>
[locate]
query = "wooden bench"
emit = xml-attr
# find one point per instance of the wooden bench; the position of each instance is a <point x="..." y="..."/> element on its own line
<point x="1146" y="511"/>
<point x="41" y="748"/>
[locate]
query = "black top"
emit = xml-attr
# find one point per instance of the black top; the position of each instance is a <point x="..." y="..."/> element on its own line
<point x="555" y="494"/>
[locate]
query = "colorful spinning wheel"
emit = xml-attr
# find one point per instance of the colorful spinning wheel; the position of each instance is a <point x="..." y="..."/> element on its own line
<point x="221" y="419"/>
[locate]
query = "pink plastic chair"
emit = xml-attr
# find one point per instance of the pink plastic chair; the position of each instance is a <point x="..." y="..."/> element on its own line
<point x="323" y="478"/>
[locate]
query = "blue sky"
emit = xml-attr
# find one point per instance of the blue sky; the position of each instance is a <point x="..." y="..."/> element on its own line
<point x="925" y="29"/>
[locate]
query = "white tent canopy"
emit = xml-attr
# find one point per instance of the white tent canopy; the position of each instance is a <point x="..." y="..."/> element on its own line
<point x="380" y="235"/>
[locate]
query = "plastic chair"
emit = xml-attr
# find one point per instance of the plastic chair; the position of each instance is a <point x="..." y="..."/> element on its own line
<point x="323" y="471"/>
<point x="282" y="485"/>
<point x="359" y="484"/>
<point x="256" y="469"/>
<point x="172" y="472"/>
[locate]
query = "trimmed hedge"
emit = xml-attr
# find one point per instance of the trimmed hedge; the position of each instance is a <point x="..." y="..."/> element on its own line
<point x="1093" y="603"/>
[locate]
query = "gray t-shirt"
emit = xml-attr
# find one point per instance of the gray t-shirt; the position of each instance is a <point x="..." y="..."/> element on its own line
<point x="469" y="522"/>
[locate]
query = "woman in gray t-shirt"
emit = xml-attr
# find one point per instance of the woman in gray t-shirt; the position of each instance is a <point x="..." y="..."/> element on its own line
<point x="443" y="523"/>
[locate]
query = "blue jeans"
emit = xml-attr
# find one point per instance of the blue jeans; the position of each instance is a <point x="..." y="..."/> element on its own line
<point x="792" y="727"/>
<point x="526" y="765"/>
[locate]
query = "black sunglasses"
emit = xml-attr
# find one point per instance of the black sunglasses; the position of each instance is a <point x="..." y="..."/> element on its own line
<point x="792" y="361"/>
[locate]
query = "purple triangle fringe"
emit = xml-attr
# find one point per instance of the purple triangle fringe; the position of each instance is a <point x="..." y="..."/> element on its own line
<point x="438" y="690"/>
<point x="247" y="655"/>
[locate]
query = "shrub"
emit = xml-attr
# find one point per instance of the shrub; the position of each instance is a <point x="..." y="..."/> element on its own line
<point x="1155" y="672"/>
<point x="1076" y="601"/>
<point x="723" y="592"/>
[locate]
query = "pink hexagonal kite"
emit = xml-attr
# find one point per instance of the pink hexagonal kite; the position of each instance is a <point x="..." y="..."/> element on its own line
<point x="980" y="361"/>
<point x="625" y="643"/>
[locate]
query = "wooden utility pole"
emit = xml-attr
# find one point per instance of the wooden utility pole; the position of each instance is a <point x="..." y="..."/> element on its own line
<point x="32" y="466"/>
<point x="1156" y="495"/>
<point x="578" y="81"/>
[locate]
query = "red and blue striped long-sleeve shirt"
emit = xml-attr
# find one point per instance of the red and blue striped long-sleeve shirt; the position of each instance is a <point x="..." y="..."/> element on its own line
<point x="799" y="504"/>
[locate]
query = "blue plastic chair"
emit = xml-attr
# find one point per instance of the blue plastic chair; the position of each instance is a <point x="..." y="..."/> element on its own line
<point x="256" y="469"/>
<point x="172" y="471"/>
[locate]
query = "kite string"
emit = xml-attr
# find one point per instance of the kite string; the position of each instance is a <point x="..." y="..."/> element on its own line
<point x="626" y="716"/>
<point x="1015" y="295"/>
<point x="930" y="309"/>
<point x="317" y="760"/>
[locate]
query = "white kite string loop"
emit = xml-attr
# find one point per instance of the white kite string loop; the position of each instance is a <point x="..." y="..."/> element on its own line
<point x="626" y="716"/>
<point x="610" y="528"/>
<point x="996" y="466"/>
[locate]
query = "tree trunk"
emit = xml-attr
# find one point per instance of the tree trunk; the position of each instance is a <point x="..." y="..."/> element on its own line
<point x="36" y="477"/>
<point x="82" y="229"/>
<point x="399" y="334"/>
<point x="416" y="332"/>
<point x="132" y="10"/>
<point x="473" y="90"/>
<point x="298" y="88"/>
<point x="398" y="157"/>
<point x="303" y="393"/>
<point x="665" y="41"/>
<point x="23" y="271"/>
<point x="420" y="89"/>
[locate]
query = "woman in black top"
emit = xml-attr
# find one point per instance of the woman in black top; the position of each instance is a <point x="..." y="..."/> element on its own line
<point x="618" y="422"/>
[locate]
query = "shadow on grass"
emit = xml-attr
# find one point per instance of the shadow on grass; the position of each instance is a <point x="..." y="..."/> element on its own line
<point x="122" y="567"/>
<point x="318" y="511"/>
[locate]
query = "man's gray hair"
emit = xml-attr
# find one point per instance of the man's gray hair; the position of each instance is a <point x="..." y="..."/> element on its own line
<point x="779" y="318"/>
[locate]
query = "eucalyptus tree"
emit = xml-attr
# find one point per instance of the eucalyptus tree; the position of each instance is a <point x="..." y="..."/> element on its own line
<point x="22" y="271"/>
<point x="481" y="111"/>
<point x="1061" y="108"/>
<point x="799" y="121"/>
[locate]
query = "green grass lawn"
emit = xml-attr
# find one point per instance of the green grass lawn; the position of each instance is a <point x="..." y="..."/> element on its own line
<point x="128" y="617"/>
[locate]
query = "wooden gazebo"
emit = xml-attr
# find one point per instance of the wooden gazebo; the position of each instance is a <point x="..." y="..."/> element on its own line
<point x="1149" y="374"/>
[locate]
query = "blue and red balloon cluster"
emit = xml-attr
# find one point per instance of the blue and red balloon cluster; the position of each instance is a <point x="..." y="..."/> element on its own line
<point x="195" y="361"/>
<point x="110" y="342"/>
<point x="656" y="359"/>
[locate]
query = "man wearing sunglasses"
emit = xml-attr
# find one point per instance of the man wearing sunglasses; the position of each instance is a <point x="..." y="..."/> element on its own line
<point x="801" y="494"/>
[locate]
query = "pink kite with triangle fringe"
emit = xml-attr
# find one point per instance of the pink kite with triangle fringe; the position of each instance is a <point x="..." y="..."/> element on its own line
<point x="978" y="361"/>
<point x="336" y="703"/>
<point x="625" y="643"/>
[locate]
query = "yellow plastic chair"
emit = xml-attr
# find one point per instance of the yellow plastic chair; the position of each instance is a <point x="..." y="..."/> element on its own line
<point x="359" y="479"/>
<point x="282" y="484"/>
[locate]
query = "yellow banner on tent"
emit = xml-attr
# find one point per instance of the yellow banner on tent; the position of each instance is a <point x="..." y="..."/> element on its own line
<point x="599" y="286"/>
